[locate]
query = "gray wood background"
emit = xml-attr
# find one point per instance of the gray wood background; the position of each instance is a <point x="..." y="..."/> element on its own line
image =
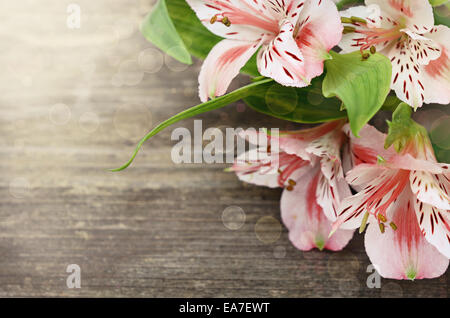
<point x="73" y="103"/>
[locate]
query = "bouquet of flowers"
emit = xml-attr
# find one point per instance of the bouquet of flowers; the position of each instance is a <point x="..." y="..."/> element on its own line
<point x="360" y="57"/>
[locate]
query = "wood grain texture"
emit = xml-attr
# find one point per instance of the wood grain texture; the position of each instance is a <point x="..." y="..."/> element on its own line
<point x="156" y="229"/>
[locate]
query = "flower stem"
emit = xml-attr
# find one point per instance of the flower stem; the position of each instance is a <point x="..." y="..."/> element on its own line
<point x="341" y="4"/>
<point x="212" y="104"/>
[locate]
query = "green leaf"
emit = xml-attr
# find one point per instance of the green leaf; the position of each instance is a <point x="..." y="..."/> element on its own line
<point x="213" y="104"/>
<point x="362" y="85"/>
<point x="175" y="29"/>
<point x="436" y="3"/>
<point x="198" y="39"/>
<point x="301" y="105"/>
<point x="442" y="155"/>
<point x="442" y="16"/>
<point x="159" y="29"/>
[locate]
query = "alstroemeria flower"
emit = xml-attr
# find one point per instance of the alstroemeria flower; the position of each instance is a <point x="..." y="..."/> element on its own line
<point x="404" y="31"/>
<point x="405" y="199"/>
<point x="295" y="36"/>
<point x="308" y="167"/>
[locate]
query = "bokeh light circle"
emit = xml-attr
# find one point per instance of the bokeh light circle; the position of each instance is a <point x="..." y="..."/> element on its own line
<point x="281" y="100"/>
<point x="233" y="217"/>
<point x="268" y="229"/>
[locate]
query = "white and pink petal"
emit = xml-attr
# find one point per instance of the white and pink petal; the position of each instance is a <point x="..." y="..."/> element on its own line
<point x="417" y="15"/>
<point x="299" y="142"/>
<point x="330" y="194"/>
<point x="376" y="198"/>
<point x="364" y="174"/>
<point x="436" y="75"/>
<point x="407" y="80"/>
<point x="222" y="65"/>
<point x="293" y="144"/>
<point x="408" y="162"/>
<point x="376" y="22"/>
<point x="259" y="172"/>
<point x="307" y="224"/>
<point x="368" y="146"/>
<point x="318" y="30"/>
<point x="248" y="19"/>
<point x="429" y="189"/>
<point x="403" y="253"/>
<point x="282" y="60"/>
<point x="424" y="49"/>
<point x="327" y="145"/>
<point x="435" y="225"/>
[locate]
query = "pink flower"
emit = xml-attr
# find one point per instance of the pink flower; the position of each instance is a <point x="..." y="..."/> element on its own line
<point x="295" y="36"/>
<point x="404" y="31"/>
<point x="405" y="199"/>
<point x="308" y="167"/>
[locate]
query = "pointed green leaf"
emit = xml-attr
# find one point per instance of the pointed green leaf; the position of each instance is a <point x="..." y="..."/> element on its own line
<point x="213" y="104"/>
<point x="175" y="29"/>
<point x="362" y="85"/>
<point x="159" y="29"/>
<point x="301" y="105"/>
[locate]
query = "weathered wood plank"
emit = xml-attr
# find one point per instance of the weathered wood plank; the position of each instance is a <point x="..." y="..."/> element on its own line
<point x="156" y="229"/>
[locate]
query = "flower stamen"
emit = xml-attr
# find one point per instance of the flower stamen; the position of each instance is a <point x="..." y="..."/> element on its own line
<point x="393" y="226"/>
<point x="220" y="18"/>
<point x="382" y="218"/>
<point x="364" y="222"/>
<point x="376" y="36"/>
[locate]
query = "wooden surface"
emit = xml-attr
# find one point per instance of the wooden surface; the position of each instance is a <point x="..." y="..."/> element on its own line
<point x="156" y="229"/>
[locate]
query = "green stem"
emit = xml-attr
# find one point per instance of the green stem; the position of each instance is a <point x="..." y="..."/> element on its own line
<point x="341" y="4"/>
<point x="213" y="104"/>
<point x="391" y="103"/>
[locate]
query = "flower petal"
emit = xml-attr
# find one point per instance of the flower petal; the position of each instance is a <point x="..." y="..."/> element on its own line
<point x="307" y="224"/>
<point x="249" y="168"/>
<point x="319" y="30"/>
<point x="435" y="225"/>
<point x="282" y="60"/>
<point x="377" y="197"/>
<point x="330" y="193"/>
<point x="363" y="174"/>
<point x="416" y="14"/>
<point x="436" y="75"/>
<point x="407" y="81"/>
<point x="249" y="19"/>
<point x="368" y="146"/>
<point x="222" y="65"/>
<point x="428" y="189"/>
<point x="403" y="253"/>
<point x="328" y="145"/>
<point x="424" y="49"/>
<point x="298" y="142"/>
<point x="375" y="22"/>
<point x="407" y="162"/>
<point x="332" y="185"/>
<point x="294" y="146"/>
